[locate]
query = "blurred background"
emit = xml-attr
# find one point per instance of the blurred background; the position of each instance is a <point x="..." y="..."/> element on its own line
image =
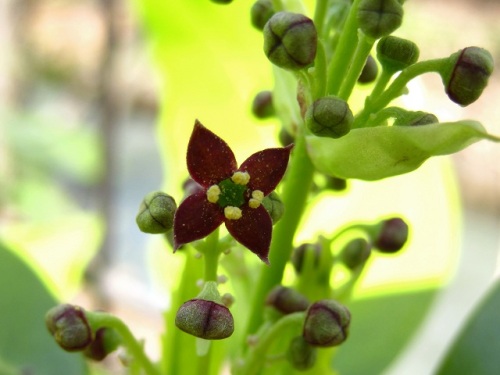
<point x="81" y="87"/>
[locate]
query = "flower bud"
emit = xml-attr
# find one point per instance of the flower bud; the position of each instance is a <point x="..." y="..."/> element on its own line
<point x="285" y="138"/>
<point x="378" y="18"/>
<point x="106" y="341"/>
<point x="369" y="72"/>
<point x="69" y="326"/>
<point x="329" y="117"/>
<point x="305" y="250"/>
<point x="290" y="40"/>
<point x="262" y="106"/>
<point x="392" y="235"/>
<point x="336" y="183"/>
<point x="156" y="213"/>
<point x="326" y="324"/>
<point x="416" y="118"/>
<point x="274" y="206"/>
<point x="286" y="300"/>
<point x="395" y="54"/>
<point x="301" y="355"/>
<point x="205" y="319"/>
<point x="261" y="12"/>
<point x="467" y="74"/>
<point x="355" y="253"/>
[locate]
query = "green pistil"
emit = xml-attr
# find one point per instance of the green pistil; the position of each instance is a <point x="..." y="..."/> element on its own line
<point x="231" y="194"/>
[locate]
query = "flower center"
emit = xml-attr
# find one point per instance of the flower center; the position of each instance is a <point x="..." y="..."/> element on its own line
<point x="231" y="194"/>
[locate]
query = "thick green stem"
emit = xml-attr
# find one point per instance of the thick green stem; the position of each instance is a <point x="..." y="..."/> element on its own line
<point x="295" y="192"/>
<point x="319" y="15"/>
<point x="101" y="320"/>
<point x="211" y="254"/>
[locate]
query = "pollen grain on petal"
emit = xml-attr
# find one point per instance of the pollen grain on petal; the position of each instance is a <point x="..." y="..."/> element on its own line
<point x="232" y="213"/>
<point x="240" y="178"/>
<point x="213" y="193"/>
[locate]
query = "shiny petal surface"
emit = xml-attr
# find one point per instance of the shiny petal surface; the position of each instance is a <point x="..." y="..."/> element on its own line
<point x="266" y="168"/>
<point x="209" y="159"/>
<point x="253" y="230"/>
<point x="195" y="218"/>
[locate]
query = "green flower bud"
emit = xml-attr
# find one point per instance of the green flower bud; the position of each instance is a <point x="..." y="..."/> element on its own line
<point x="335" y="183"/>
<point x="262" y="106"/>
<point x="205" y="319"/>
<point x="156" y="213"/>
<point x="326" y="324"/>
<point x="286" y="300"/>
<point x="416" y="118"/>
<point x="290" y="40"/>
<point x="395" y="54"/>
<point x="69" y="326"/>
<point x="106" y="341"/>
<point x="355" y="253"/>
<point x="369" y="72"/>
<point x="378" y="18"/>
<point x="392" y="235"/>
<point x="467" y="74"/>
<point x="300" y="253"/>
<point x="274" y="206"/>
<point x="329" y="117"/>
<point x="261" y="12"/>
<point x="285" y="137"/>
<point x="300" y="354"/>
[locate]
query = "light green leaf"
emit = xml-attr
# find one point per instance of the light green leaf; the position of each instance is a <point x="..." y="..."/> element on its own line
<point x="385" y="151"/>
<point x="476" y="350"/>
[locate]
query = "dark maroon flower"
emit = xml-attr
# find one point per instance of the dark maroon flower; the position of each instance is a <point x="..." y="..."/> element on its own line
<point x="229" y="194"/>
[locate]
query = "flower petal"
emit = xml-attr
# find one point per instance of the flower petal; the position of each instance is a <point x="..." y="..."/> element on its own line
<point x="195" y="218"/>
<point x="253" y="230"/>
<point x="266" y="168"/>
<point x="209" y="159"/>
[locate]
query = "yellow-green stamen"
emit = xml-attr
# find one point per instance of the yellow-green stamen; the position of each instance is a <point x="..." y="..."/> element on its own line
<point x="240" y="178"/>
<point x="213" y="193"/>
<point x="256" y="200"/>
<point x="232" y="213"/>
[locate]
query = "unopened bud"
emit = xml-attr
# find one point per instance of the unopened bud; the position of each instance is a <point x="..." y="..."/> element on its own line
<point x="156" y="213"/>
<point x="261" y="12"/>
<point x="467" y="74"/>
<point x="329" y="117"/>
<point x="415" y="118"/>
<point x="395" y="54"/>
<point x="286" y="300"/>
<point x="105" y="342"/>
<point x="355" y="253"/>
<point x="301" y="355"/>
<point x="262" y="105"/>
<point x="327" y="323"/>
<point x="274" y="206"/>
<point x="392" y="235"/>
<point x="369" y="72"/>
<point x="378" y="18"/>
<point x="69" y="327"/>
<point x="290" y="40"/>
<point x="306" y="250"/>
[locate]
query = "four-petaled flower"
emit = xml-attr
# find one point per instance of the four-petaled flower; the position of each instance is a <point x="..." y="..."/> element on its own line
<point x="229" y="194"/>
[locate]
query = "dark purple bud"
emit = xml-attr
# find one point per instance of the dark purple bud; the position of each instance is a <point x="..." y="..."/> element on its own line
<point x="304" y="251"/>
<point x="467" y="74"/>
<point x="290" y="40"/>
<point x="336" y="183"/>
<point x="262" y="106"/>
<point x="285" y="137"/>
<point x="395" y="54"/>
<point x="69" y="327"/>
<point x="287" y="300"/>
<point x="261" y="12"/>
<point x="369" y="72"/>
<point x="378" y="18"/>
<point x="205" y="319"/>
<point x="156" y="213"/>
<point x="329" y="117"/>
<point x="301" y="355"/>
<point x="355" y="253"/>
<point x="105" y="342"/>
<point x="392" y="235"/>
<point x="326" y="324"/>
<point x="274" y="206"/>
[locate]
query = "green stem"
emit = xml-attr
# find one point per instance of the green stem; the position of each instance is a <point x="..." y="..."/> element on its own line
<point x="295" y="191"/>
<point x="211" y="255"/>
<point x="397" y="88"/>
<point x="100" y="320"/>
<point x="362" y="51"/>
<point x="344" y="52"/>
<point x="319" y="16"/>
<point x="255" y="358"/>
<point x="320" y="72"/>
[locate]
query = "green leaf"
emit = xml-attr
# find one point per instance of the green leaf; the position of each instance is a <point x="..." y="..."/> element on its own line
<point x="24" y="341"/>
<point x="373" y="343"/>
<point x="385" y="151"/>
<point x="476" y="349"/>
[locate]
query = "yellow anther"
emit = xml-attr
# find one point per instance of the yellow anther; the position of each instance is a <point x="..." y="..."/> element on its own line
<point x="240" y="178"/>
<point x="232" y="213"/>
<point x="253" y="203"/>
<point x="256" y="200"/>
<point x="213" y="193"/>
